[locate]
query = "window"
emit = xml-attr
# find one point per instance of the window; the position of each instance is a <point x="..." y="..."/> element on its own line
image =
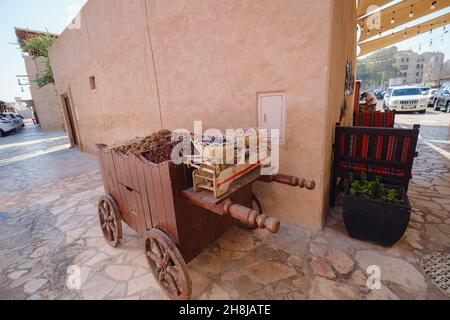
<point x="406" y="92"/>
<point x="407" y="59"/>
<point x="403" y="59"/>
<point x="92" y="82"/>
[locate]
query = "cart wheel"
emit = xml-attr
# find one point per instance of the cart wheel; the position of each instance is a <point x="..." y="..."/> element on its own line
<point x="260" y="210"/>
<point x="167" y="265"/>
<point x="110" y="222"/>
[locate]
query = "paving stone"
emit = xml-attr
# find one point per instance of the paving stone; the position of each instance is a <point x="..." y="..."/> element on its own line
<point x="358" y="278"/>
<point x="426" y="204"/>
<point x="412" y="238"/>
<point x="33" y="285"/>
<point x="321" y="268"/>
<point x="341" y="262"/>
<point x="98" y="288"/>
<point x="443" y="190"/>
<point x="96" y="259"/>
<point x="382" y="294"/>
<point x="42" y="251"/>
<point x="119" y="292"/>
<point x="325" y="289"/>
<point x="120" y="273"/>
<point x="434" y="233"/>
<point x="416" y="218"/>
<point x="208" y="262"/>
<point x="317" y="249"/>
<point x="296" y="261"/>
<point x="432" y="219"/>
<point x="142" y="283"/>
<point x="236" y="239"/>
<point x="302" y="283"/>
<point x="199" y="283"/>
<point x="46" y="200"/>
<point x="230" y="276"/>
<point x="140" y="271"/>
<point x="291" y="240"/>
<point x="218" y="293"/>
<point x="415" y="225"/>
<point x="17" y="274"/>
<point x="244" y="285"/>
<point x="393" y="269"/>
<point x="269" y="272"/>
<point x="444" y="228"/>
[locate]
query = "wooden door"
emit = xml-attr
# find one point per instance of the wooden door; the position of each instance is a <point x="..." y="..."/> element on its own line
<point x="73" y="134"/>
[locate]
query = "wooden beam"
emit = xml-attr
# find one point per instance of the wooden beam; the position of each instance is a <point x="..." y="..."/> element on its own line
<point x="389" y="40"/>
<point x="366" y="6"/>
<point x="420" y="8"/>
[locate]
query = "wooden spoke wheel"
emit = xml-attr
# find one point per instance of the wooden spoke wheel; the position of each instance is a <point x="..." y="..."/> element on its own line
<point x="110" y="222"/>
<point x="167" y="265"/>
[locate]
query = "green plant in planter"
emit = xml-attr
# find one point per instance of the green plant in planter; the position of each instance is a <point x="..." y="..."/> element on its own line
<point x="373" y="189"/>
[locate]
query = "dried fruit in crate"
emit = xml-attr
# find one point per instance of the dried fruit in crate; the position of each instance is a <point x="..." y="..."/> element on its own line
<point x="139" y="145"/>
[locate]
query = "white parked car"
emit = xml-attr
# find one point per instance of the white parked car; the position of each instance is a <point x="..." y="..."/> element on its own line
<point x="387" y="96"/>
<point x="6" y="125"/>
<point x="406" y="99"/>
<point x="431" y="95"/>
<point x="16" y="118"/>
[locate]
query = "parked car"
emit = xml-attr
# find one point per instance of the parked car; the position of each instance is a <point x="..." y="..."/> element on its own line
<point x="378" y="94"/>
<point x="6" y="125"/>
<point x="386" y="97"/>
<point x="431" y="97"/>
<point x="16" y="118"/>
<point x="425" y="89"/>
<point x="406" y="99"/>
<point x="442" y="99"/>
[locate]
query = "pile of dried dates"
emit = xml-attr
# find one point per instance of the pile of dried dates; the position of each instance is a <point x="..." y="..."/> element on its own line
<point x="156" y="148"/>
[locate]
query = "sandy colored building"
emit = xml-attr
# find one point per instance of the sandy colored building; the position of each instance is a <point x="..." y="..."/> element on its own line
<point x="46" y="99"/>
<point x="415" y="68"/>
<point x="136" y="66"/>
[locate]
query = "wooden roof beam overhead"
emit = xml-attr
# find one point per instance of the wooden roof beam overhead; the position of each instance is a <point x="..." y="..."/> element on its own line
<point x="401" y="14"/>
<point x="389" y="40"/>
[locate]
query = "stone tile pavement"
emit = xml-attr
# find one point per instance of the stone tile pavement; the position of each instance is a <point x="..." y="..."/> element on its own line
<point x="48" y="222"/>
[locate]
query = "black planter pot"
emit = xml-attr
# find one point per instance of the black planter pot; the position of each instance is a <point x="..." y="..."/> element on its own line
<point x="374" y="220"/>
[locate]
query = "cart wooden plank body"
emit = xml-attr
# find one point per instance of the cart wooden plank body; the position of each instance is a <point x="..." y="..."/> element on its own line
<point x="158" y="201"/>
<point x="151" y="196"/>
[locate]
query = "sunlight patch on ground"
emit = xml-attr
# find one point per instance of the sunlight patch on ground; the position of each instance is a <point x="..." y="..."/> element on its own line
<point x="28" y="143"/>
<point x="441" y="151"/>
<point x="34" y="154"/>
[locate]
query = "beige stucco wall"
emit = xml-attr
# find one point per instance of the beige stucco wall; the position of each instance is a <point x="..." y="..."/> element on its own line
<point x="161" y="63"/>
<point x="46" y="101"/>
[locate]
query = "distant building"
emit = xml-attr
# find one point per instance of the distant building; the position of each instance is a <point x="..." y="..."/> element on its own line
<point x="417" y="68"/>
<point x="46" y="99"/>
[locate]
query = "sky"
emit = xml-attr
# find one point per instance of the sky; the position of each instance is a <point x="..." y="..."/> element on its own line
<point x="54" y="16"/>
<point x="51" y="15"/>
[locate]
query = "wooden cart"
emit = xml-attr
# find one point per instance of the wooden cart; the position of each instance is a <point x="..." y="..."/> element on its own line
<point x="158" y="201"/>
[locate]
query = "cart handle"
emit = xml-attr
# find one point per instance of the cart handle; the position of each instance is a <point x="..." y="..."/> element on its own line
<point x="251" y="217"/>
<point x="292" y="181"/>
